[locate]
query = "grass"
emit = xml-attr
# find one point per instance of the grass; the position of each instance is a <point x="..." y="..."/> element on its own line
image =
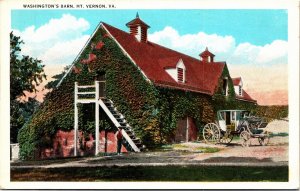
<point x="207" y="149"/>
<point x="279" y="134"/>
<point x="154" y="173"/>
<point x="186" y="148"/>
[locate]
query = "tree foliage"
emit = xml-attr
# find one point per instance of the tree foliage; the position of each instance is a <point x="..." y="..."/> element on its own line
<point x="25" y="74"/>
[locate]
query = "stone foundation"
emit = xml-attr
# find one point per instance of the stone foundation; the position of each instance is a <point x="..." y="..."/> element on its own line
<point x="63" y="145"/>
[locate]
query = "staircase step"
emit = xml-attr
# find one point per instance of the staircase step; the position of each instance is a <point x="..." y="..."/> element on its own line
<point x="126" y="128"/>
<point x="120" y="120"/>
<point x="129" y="132"/>
<point x="136" y="140"/>
<point x="132" y="136"/>
<point x="108" y="106"/>
<point x="111" y="108"/>
<point x="114" y="112"/>
<point x="138" y="144"/>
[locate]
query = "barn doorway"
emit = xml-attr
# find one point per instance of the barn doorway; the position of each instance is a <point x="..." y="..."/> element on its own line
<point x="185" y="131"/>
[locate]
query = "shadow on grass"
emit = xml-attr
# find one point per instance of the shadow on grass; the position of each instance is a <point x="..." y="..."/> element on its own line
<point x="154" y="173"/>
<point x="236" y="159"/>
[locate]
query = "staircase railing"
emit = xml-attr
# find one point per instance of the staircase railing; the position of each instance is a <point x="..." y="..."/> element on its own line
<point x="98" y="102"/>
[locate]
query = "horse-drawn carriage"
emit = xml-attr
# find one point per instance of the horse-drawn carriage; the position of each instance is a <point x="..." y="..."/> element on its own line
<point x="232" y="123"/>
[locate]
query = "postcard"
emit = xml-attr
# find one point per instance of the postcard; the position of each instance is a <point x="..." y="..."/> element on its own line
<point x="139" y="94"/>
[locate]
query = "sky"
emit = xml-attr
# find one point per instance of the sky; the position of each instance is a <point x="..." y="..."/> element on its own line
<point x="252" y="42"/>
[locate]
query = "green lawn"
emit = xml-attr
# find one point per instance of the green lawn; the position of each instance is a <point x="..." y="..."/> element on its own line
<point x="154" y="173"/>
<point x="184" y="148"/>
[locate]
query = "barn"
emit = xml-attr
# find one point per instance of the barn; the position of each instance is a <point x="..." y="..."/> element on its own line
<point x="122" y="80"/>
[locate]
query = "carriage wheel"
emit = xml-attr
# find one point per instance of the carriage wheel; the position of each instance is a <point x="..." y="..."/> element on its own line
<point x="245" y="138"/>
<point x="227" y="138"/>
<point x="264" y="140"/>
<point x="211" y="133"/>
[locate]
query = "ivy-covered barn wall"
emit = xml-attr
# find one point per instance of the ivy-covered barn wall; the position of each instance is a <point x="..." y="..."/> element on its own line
<point x="178" y="104"/>
<point x="133" y="95"/>
<point x="152" y="111"/>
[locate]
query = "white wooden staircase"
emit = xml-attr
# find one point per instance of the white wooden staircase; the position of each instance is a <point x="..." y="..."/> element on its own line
<point x="87" y="96"/>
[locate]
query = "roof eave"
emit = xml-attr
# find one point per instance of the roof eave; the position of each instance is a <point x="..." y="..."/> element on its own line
<point x="247" y="100"/>
<point x="183" y="89"/>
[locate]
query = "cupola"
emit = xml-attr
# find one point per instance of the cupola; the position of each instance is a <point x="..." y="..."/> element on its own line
<point x="138" y="28"/>
<point x="207" y="56"/>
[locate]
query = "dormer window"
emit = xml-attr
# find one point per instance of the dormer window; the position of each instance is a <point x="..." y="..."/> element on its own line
<point x="178" y="73"/>
<point x="238" y="86"/>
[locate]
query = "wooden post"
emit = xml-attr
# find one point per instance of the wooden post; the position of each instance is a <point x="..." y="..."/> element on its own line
<point x="187" y="130"/>
<point x="97" y="117"/>
<point x="75" y="118"/>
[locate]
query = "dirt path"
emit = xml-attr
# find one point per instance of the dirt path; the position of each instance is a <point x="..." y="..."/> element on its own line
<point x="274" y="154"/>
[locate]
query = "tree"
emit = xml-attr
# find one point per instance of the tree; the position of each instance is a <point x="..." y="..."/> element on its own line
<point x="26" y="73"/>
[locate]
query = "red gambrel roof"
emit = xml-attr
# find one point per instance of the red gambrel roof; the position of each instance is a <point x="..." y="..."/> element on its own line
<point x="236" y="81"/>
<point x="153" y="59"/>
